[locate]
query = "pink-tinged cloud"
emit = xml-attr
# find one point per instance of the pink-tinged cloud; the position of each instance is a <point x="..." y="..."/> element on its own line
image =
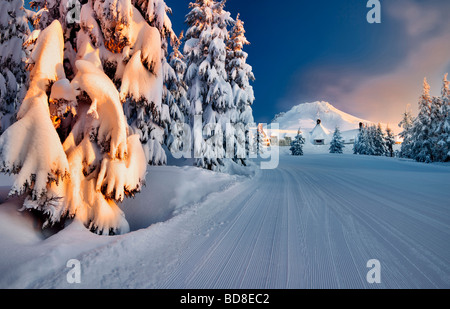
<point x="383" y="97"/>
<point x="417" y="18"/>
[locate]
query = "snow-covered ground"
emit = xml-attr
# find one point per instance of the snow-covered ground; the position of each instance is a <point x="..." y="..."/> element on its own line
<point x="313" y="222"/>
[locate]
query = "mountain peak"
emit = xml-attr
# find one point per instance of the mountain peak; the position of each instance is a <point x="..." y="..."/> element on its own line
<point x="305" y="116"/>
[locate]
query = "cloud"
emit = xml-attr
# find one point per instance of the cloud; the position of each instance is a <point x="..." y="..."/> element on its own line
<point x="383" y="95"/>
<point x="418" y="18"/>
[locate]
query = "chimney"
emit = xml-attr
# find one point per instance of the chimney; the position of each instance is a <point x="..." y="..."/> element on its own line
<point x="319" y="121"/>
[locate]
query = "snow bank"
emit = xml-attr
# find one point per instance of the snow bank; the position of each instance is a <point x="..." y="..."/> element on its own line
<point x="159" y="201"/>
<point x="28" y="254"/>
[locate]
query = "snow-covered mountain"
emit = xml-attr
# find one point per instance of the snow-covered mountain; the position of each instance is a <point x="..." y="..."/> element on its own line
<point x="304" y="116"/>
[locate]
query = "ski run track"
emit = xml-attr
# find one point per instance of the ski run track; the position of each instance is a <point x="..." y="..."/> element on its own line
<point x="314" y="222"/>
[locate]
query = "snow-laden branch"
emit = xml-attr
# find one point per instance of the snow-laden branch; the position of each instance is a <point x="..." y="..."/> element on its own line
<point x="31" y="147"/>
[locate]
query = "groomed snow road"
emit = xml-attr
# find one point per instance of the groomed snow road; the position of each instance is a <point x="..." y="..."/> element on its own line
<point x="314" y="222"/>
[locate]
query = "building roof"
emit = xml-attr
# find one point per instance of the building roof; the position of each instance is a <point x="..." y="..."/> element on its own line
<point x="349" y="135"/>
<point x="319" y="132"/>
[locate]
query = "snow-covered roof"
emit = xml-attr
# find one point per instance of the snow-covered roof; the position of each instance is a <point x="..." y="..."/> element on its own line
<point x="349" y="135"/>
<point x="319" y="132"/>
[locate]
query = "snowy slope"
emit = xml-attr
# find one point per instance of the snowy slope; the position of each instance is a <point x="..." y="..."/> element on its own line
<point x="313" y="222"/>
<point x="304" y="116"/>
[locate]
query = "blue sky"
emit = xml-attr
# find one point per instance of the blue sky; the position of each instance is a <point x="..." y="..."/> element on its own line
<point x="304" y="50"/>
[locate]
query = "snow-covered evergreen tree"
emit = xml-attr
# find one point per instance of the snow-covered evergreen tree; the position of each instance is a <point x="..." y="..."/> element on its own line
<point x="209" y="92"/>
<point x="406" y="124"/>
<point x="441" y="125"/>
<point x="370" y="147"/>
<point x="13" y="76"/>
<point x="150" y="117"/>
<point x="370" y="141"/>
<point x="157" y="12"/>
<point x="436" y="119"/>
<point x="389" y="142"/>
<point x="257" y="144"/>
<point x="297" y="144"/>
<point x="337" y="142"/>
<point x="379" y="141"/>
<point x="362" y="142"/>
<point x="179" y="105"/>
<point x="146" y="113"/>
<point x="239" y="75"/>
<point x="422" y="147"/>
<point x="73" y="148"/>
<point x="357" y="146"/>
<point x="179" y="139"/>
<point x="445" y="132"/>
